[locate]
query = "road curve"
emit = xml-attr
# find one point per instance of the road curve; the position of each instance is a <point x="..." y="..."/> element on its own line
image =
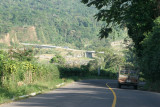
<point x="91" y="93"/>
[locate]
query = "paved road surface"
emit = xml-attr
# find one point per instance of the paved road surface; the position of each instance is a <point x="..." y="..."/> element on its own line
<point x="91" y="93"/>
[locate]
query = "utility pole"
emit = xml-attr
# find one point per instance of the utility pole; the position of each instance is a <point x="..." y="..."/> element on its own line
<point x="100" y="64"/>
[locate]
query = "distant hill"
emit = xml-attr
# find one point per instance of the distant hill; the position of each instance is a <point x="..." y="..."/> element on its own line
<point x="59" y="22"/>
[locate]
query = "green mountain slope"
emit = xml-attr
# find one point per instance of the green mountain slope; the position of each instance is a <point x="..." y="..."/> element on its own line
<point x="58" y="22"/>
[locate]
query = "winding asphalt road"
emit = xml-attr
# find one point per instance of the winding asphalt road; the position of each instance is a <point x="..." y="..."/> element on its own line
<point x="91" y="93"/>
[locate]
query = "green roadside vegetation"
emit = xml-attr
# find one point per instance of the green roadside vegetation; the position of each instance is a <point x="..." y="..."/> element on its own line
<point x="20" y="75"/>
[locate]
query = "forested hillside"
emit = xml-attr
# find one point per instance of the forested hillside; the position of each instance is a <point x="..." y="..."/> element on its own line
<point x="58" y="22"/>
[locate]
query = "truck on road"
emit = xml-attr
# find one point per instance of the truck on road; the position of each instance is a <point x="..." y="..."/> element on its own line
<point x="128" y="77"/>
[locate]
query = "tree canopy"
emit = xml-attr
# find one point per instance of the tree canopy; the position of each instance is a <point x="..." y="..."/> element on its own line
<point x="141" y="17"/>
<point x="136" y="15"/>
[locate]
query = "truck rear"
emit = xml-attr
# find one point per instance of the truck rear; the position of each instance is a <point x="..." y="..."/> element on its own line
<point x="128" y="77"/>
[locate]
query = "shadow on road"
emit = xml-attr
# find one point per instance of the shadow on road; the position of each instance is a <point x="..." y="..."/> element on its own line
<point x="87" y="93"/>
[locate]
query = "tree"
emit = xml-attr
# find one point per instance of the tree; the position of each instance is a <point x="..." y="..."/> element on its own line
<point x="150" y="61"/>
<point x="110" y="60"/>
<point x="141" y="19"/>
<point x="58" y="59"/>
<point x="22" y="55"/>
<point x="136" y="15"/>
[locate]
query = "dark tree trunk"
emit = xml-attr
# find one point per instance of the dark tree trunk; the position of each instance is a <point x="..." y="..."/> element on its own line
<point x="158" y="7"/>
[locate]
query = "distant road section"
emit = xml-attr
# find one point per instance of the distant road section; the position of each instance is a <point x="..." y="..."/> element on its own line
<point x="91" y="93"/>
<point x="38" y="46"/>
<point x="46" y="46"/>
<point x="89" y="54"/>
